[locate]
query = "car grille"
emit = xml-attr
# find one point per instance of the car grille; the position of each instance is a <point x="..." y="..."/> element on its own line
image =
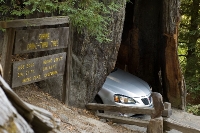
<point x="145" y="101"/>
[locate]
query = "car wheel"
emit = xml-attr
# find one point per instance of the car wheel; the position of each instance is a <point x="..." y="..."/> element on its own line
<point x="97" y="99"/>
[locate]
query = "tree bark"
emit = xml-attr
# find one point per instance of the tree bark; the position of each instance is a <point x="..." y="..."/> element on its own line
<point x="149" y="47"/>
<point x="140" y="48"/>
<point x="173" y="80"/>
<point x="143" y="42"/>
<point x="10" y="119"/>
<point x="93" y="61"/>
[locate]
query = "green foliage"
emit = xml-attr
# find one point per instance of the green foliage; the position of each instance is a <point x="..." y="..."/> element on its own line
<point x="194" y="109"/>
<point x="89" y="16"/>
<point x="189" y="45"/>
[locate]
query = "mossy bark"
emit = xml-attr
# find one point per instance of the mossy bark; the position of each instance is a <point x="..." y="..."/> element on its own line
<point x="93" y="61"/>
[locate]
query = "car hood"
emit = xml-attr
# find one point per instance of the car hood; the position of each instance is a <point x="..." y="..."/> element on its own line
<point x="121" y="82"/>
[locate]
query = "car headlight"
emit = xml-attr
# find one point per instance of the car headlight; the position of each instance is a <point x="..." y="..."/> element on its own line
<point x="124" y="99"/>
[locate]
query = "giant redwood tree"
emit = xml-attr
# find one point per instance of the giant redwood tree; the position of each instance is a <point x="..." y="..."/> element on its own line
<point x="149" y="44"/>
<point x="92" y="61"/>
<point x="148" y="49"/>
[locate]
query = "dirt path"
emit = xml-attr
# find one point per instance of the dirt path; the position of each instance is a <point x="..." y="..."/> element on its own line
<point x="73" y="120"/>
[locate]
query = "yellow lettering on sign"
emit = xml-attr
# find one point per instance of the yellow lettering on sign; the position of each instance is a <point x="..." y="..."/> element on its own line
<point x="58" y="59"/>
<point x="47" y="61"/>
<point x="29" y="72"/>
<point x="20" y="74"/>
<point x="36" y="77"/>
<point x="45" y="68"/>
<point x="44" y="36"/>
<point x="26" y="80"/>
<point x="54" y="43"/>
<point x="31" y="46"/>
<point x="49" y="74"/>
<point x="21" y="67"/>
<point x="29" y="65"/>
<point x="52" y="66"/>
<point x="49" y="67"/>
<point x="44" y="44"/>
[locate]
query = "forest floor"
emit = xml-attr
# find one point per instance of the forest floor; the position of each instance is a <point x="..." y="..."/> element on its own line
<point x="74" y="120"/>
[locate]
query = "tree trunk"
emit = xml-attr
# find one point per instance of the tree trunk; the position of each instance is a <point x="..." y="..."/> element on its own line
<point x="149" y="47"/>
<point x="173" y="80"/>
<point x="141" y="41"/>
<point x="144" y="45"/>
<point x="93" y="61"/>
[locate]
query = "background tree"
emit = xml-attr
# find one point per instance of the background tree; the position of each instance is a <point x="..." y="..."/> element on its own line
<point x="189" y="42"/>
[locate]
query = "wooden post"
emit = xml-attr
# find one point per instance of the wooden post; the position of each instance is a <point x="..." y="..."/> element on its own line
<point x="155" y="125"/>
<point x="167" y="112"/>
<point x="66" y="79"/>
<point x="158" y="104"/>
<point x="7" y="53"/>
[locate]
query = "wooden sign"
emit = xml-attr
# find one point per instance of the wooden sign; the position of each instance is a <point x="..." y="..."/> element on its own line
<point x="41" y="39"/>
<point x="37" y="69"/>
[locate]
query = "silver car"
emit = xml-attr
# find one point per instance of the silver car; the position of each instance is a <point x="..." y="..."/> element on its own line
<point x="123" y="88"/>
